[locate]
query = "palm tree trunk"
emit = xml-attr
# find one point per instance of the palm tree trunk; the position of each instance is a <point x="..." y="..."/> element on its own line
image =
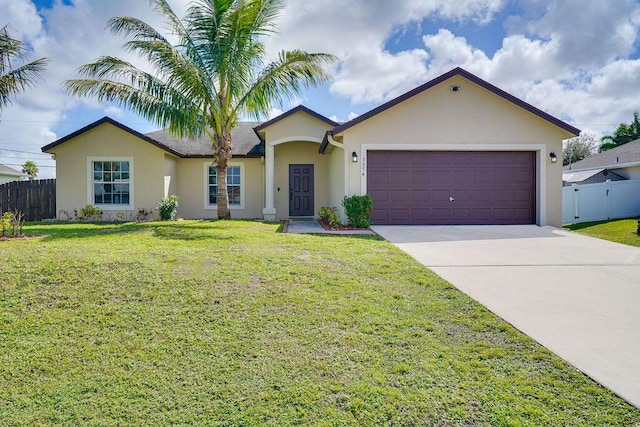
<point x="222" y="154"/>
<point x="223" y="196"/>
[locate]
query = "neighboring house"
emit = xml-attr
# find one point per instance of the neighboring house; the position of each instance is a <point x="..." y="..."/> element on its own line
<point x="623" y="160"/>
<point x="592" y="176"/>
<point x="8" y="174"/>
<point x="456" y="150"/>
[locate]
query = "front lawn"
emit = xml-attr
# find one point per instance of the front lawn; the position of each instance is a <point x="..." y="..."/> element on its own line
<point x="623" y="231"/>
<point x="230" y="323"/>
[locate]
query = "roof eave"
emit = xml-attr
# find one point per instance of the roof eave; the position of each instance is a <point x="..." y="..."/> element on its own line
<point x="106" y="119"/>
<point x="474" y="79"/>
<point x="292" y="111"/>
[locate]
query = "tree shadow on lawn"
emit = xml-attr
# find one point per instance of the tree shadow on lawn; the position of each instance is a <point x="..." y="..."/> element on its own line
<point x="169" y="230"/>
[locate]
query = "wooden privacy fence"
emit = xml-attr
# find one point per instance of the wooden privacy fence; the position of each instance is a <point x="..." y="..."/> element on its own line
<point x="35" y="199"/>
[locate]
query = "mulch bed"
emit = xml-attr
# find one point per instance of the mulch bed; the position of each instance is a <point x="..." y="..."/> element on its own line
<point x="326" y="226"/>
<point x="21" y="237"/>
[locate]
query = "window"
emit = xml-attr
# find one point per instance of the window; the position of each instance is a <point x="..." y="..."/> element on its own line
<point x="111" y="182"/>
<point x="234" y="185"/>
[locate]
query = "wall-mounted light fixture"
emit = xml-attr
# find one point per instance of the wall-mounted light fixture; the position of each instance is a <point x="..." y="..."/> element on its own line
<point x="354" y="157"/>
<point x="554" y="158"/>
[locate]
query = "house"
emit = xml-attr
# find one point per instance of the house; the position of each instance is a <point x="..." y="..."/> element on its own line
<point x="455" y="150"/>
<point x="623" y="160"/>
<point x="590" y="176"/>
<point x="8" y="174"/>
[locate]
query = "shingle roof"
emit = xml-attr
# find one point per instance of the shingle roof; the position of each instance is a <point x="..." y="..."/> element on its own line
<point x="6" y="170"/>
<point x="624" y="154"/>
<point x="245" y="140"/>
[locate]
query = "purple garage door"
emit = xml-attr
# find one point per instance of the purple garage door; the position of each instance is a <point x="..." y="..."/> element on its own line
<point x="452" y="187"/>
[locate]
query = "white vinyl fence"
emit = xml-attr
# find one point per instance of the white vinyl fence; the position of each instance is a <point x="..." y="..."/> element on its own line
<point x="605" y="200"/>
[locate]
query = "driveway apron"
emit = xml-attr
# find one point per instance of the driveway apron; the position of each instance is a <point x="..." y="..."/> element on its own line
<point x="576" y="295"/>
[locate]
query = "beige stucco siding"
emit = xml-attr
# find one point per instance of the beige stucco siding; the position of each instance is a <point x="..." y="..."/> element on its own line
<point x="472" y="118"/>
<point x="337" y="161"/>
<point x="107" y="142"/>
<point x="192" y="189"/>
<point x="170" y="174"/>
<point x="297" y="127"/>
<point x="300" y="153"/>
<point x="632" y="172"/>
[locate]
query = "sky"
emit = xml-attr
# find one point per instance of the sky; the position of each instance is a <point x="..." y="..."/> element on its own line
<point x="578" y="60"/>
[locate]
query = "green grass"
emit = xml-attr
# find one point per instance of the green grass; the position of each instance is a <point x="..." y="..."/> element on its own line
<point x="623" y="231"/>
<point x="231" y="323"/>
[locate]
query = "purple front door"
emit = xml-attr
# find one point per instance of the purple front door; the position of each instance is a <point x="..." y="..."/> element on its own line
<point x="301" y="190"/>
<point x="452" y="187"/>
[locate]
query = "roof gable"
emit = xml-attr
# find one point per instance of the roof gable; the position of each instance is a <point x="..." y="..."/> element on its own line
<point x="299" y="108"/>
<point x="246" y="142"/>
<point x="7" y="171"/>
<point x="474" y="79"/>
<point x="108" y="120"/>
<point x="625" y="154"/>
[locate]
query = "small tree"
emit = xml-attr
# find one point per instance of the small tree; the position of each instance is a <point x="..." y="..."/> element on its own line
<point x="578" y="148"/>
<point x="623" y="134"/>
<point x="31" y="169"/>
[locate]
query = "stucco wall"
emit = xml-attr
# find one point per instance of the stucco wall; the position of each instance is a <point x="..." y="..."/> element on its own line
<point x="632" y="172"/>
<point x="337" y="161"/>
<point x="108" y="142"/>
<point x="472" y="118"/>
<point x="300" y="153"/>
<point x="192" y="186"/>
<point x="170" y="174"/>
<point x="297" y="127"/>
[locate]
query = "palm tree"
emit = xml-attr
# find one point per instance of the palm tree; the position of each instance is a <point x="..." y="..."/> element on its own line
<point x="217" y="73"/>
<point x="31" y="169"/>
<point x="16" y="80"/>
<point x="623" y="134"/>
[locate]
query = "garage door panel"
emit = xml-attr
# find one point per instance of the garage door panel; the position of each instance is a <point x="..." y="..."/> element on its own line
<point x="380" y="196"/>
<point x="483" y="176"/>
<point x="461" y="214"/>
<point x="439" y="215"/>
<point x="487" y="187"/>
<point x="419" y="196"/>
<point x="399" y="215"/>
<point x="400" y="197"/>
<point x="462" y="176"/>
<point x="419" y="215"/>
<point x="399" y="178"/>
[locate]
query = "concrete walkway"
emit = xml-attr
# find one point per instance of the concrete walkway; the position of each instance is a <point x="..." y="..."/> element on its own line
<point x="576" y="295"/>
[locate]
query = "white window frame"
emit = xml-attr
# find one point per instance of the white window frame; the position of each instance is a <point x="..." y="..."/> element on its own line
<point x="209" y="206"/>
<point x="90" y="182"/>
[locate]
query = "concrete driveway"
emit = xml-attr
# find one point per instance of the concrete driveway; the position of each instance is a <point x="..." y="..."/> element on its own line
<point x="576" y="295"/>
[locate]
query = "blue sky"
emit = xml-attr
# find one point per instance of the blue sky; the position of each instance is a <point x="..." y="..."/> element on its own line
<point x="576" y="59"/>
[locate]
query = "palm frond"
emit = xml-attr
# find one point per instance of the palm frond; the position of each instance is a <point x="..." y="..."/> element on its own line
<point x="19" y="79"/>
<point x="285" y="78"/>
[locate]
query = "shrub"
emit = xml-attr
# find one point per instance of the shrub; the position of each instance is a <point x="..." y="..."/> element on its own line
<point x="168" y="207"/>
<point x="144" y="214"/>
<point x="330" y="215"/>
<point x="358" y="210"/>
<point x="11" y="223"/>
<point x="90" y="213"/>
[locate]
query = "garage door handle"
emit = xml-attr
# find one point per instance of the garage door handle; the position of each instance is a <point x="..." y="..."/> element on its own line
<point x="451" y="199"/>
